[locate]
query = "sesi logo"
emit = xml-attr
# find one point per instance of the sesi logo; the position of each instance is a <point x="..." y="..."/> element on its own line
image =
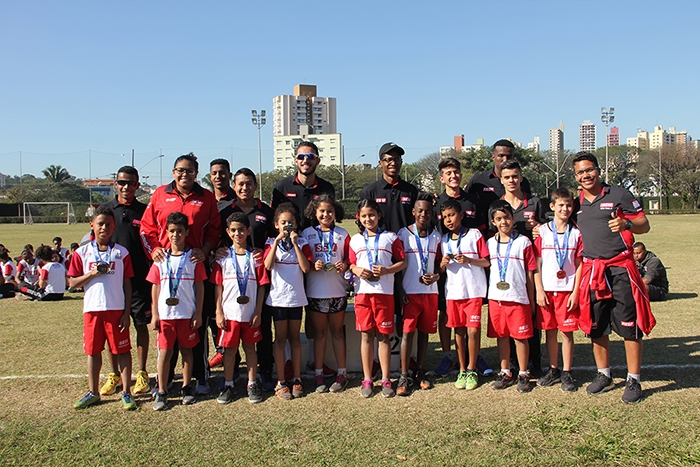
<point x="607" y="206"/>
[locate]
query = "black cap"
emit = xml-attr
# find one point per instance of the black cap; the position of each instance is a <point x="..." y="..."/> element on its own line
<point x="391" y="147"/>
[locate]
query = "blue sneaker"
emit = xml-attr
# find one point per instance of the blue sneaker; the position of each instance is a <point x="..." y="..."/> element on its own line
<point x="268" y="383"/>
<point x="444" y="367"/>
<point x="483" y="367"/>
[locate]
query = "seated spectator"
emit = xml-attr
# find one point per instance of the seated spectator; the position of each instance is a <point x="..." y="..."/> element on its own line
<point x="653" y="272"/>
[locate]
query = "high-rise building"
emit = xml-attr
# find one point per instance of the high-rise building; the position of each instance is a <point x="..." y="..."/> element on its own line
<point x="640" y="141"/>
<point x="587" y="136"/>
<point x="556" y="139"/>
<point x="303" y="108"/>
<point x="614" y="136"/>
<point x="535" y="144"/>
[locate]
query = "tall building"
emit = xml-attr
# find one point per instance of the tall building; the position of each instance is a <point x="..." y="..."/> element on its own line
<point x="303" y="108"/>
<point x="614" y="136"/>
<point x="535" y="144"/>
<point x="284" y="148"/>
<point x="556" y="139"/>
<point x="587" y="136"/>
<point x="640" y="141"/>
<point x="459" y="146"/>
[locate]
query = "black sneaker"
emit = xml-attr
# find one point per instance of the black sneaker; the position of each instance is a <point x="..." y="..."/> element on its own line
<point x="600" y="384"/>
<point x="503" y="381"/>
<point x="633" y="392"/>
<point x="226" y="396"/>
<point x="567" y="382"/>
<point x="403" y="388"/>
<point x="550" y="378"/>
<point x="254" y="395"/>
<point x="524" y="383"/>
<point x="187" y="395"/>
<point x="161" y="401"/>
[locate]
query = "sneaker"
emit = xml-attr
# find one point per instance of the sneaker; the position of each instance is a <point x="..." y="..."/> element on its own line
<point x="110" y="386"/>
<point x="187" y="396"/>
<point x="141" y="385"/>
<point x="202" y="388"/>
<point x="600" y="384"/>
<point x="483" y="367"/>
<point x="444" y="367"/>
<point x="633" y="392"/>
<point x="552" y="377"/>
<point x="367" y="390"/>
<point x="341" y="381"/>
<point x="225" y="396"/>
<point x="403" y="388"/>
<point x="21" y="297"/>
<point x="472" y="380"/>
<point x="387" y="390"/>
<point x="254" y="395"/>
<point x="87" y="401"/>
<point x="503" y="381"/>
<point x="567" y="382"/>
<point x="216" y="360"/>
<point x="283" y="392"/>
<point x="154" y="393"/>
<point x="297" y="389"/>
<point x="524" y="383"/>
<point x="461" y="382"/>
<point x="288" y="370"/>
<point x="423" y="382"/>
<point x="128" y="402"/>
<point x="376" y="369"/>
<point x="321" y="384"/>
<point x="268" y="384"/>
<point x="161" y="401"/>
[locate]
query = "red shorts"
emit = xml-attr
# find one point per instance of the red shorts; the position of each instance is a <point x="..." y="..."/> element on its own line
<point x="101" y="325"/>
<point x="509" y="319"/>
<point x="177" y="330"/>
<point x="464" y="313"/>
<point x="374" y="310"/>
<point x="237" y="331"/>
<point x="420" y="313"/>
<point x="555" y="315"/>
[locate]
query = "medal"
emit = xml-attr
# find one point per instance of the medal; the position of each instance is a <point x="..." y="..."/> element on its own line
<point x="103" y="264"/>
<point x="242" y="279"/>
<point x="372" y="256"/>
<point x="329" y="267"/>
<point x="174" y="283"/>
<point x="561" y="253"/>
<point x="449" y="243"/>
<point x="373" y="278"/>
<point x="243" y="299"/>
<point x="503" y="264"/>
<point x="561" y="274"/>
<point x="502" y="285"/>
<point x="172" y="301"/>
<point x="103" y="268"/>
<point x="327" y="248"/>
<point x="423" y="257"/>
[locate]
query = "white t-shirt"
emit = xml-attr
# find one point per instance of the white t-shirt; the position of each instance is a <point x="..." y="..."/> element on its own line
<point x="224" y="273"/>
<point x="8" y="270"/>
<point x="64" y="253"/>
<point x="286" y="279"/>
<point x="390" y="251"/>
<point x="29" y="272"/>
<point x="106" y="291"/>
<point x="545" y="249"/>
<point x="430" y="245"/>
<point x="55" y="276"/>
<point x="520" y="260"/>
<point x="464" y="281"/>
<point x="187" y="299"/>
<point x="326" y="284"/>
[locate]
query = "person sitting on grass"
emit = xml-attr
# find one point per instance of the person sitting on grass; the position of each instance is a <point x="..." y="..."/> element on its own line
<point x="51" y="284"/>
<point x="652" y="270"/>
<point x="28" y="268"/>
<point x="104" y="269"/>
<point x="9" y="271"/>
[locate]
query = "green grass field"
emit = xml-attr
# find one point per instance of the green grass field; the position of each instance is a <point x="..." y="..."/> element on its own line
<point x="42" y="368"/>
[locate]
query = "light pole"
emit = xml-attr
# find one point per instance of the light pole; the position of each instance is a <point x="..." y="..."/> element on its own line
<point x="607" y="118"/>
<point x="259" y="121"/>
<point x="160" y="156"/>
<point x="661" y="202"/>
<point x="344" y="169"/>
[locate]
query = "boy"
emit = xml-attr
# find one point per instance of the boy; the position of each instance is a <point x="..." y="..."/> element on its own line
<point x="558" y="251"/>
<point x="60" y="249"/>
<point x="511" y="294"/>
<point x="418" y="290"/>
<point x="178" y="291"/>
<point x="464" y="257"/>
<point x="239" y="293"/>
<point x="103" y="269"/>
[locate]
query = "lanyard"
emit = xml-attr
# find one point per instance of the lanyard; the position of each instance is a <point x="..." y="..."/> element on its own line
<point x="326" y="247"/>
<point x="241" y="279"/>
<point x="98" y="256"/>
<point x="503" y="264"/>
<point x="459" y="240"/>
<point x="561" y="252"/>
<point x="372" y="256"/>
<point x="423" y="257"/>
<point x="174" y="284"/>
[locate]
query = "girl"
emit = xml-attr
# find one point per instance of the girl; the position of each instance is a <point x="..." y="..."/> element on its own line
<point x="287" y="257"/>
<point x="51" y="277"/>
<point x="9" y="271"/>
<point x="325" y="284"/>
<point x="375" y="256"/>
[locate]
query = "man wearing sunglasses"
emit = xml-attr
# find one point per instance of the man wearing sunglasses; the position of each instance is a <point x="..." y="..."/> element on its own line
<point x="127" y="215"/>
<point x="303" y="187"/>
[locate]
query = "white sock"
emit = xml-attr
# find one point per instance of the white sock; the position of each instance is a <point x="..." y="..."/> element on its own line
<point x="229" y="384"/>
<point x="605" y="371"/>
<point x="506" y="372"/>
<point x="319" y="372"/>
<point x="635" y="376"/>
<point x="342" y="371"/>
<point x="250" y="383"/>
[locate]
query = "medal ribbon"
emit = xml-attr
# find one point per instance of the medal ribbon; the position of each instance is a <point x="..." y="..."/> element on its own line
<point x="242" y="280"/>
<point x="372" y="256"/>
<point x="459" y="240"/>
<point x="503" y="264"/>
<point x="561" y="252"/>
<point x="98" y="257"/>
<point x="327" y="247"/>
<point x="423" y="257"/>
<point x="174" y="284"/>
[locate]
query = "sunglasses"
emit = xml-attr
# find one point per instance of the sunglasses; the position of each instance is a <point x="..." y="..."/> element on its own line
<point x="126" y="182"/>
<point x="300" y="157"/>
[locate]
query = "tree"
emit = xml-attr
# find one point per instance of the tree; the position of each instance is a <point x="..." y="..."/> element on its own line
<point x="56" y="174"/>
<point x="622" y="164"/>
<point x="680" y="173"/>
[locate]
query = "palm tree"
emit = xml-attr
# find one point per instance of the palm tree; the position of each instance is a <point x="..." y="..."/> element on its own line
<point x="56" y="174"/>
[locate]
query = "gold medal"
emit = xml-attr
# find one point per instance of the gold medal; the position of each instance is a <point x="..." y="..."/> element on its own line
<point x="103" y="268"/>
<point x="172" y="301"/>
<point x="329" y="267"/>
<point x="243" y="299"/>
<point x="502" y="285"/>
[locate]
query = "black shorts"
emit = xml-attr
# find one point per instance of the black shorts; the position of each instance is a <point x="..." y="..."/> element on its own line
<point x="283" y="314"/>
<point x="618" y="313"/>
<point x="328" y="305"/>
<point x="141" y="302"/>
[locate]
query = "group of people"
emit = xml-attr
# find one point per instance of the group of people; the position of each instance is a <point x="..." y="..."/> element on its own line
<point x="193" y="260"/>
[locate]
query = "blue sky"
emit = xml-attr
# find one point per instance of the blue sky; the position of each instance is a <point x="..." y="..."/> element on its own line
<point x="182" y="76"/>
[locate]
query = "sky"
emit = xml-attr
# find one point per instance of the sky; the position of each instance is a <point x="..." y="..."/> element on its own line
<point x="83" y="82"/>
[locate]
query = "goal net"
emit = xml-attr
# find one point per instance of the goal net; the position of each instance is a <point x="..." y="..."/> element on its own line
<point x="48" y="213"/>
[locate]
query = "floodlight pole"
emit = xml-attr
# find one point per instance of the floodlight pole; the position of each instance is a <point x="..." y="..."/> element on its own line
<point x="607" y="118"/>
<point x="259" y="121"/>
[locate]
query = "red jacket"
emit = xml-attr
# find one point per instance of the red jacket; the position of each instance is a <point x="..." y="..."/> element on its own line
<point x="200" y="208"/>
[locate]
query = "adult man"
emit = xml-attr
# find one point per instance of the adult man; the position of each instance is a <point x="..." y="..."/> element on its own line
<point x="220" y="177"/>
<point x="611" y="296"/>
<point x="652" y="271"/>
<point x="127" y="213"/>
<point x="305" y="185"/>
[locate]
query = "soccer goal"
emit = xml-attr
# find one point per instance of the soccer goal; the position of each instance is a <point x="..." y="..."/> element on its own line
<point x="53" y="212"/>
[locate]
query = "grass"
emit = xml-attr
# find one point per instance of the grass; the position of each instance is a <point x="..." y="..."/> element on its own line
<point x="441" y="427"/>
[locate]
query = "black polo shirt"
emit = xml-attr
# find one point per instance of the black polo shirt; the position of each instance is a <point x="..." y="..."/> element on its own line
<point x="395" y="202"/>
<point x="225" y="201"/>
<point x="488" y="188"/>
<point x="126" y="233"/>
<point x="593" y="218"/>
<point x="530" y="207"/>
<point x="261" y="219"/>
<point x="291" y="190"/>
<point x="469" y="204"/>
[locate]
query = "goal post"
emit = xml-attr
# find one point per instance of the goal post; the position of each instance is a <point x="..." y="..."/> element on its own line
<point x="48" y="212"/>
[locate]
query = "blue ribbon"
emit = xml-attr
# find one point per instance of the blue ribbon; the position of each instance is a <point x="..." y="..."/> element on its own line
<point x="423" y="258"/>
<point x="503" y="264"/>
<point x="327" y="248"/>
<point x="459" y="240"/>
<point x="98" y="257"/>
<point x="561" y="252"/>
<point x="174" y="284"/>
<point x="242" y="280"/>
<point x="372" y="256"/>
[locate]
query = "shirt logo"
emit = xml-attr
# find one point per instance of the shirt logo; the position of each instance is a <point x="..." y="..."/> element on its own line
<point x="627" y="324"/>
<point x="136" y="222"/>
<point x="607" y="205"/>
<point x="260" y="218"/>
<point x="318" y="248"/>
<point x="528" y="214"/>
<point x="380" y="200"/>
<point x="290" y="195"/>
<point x="636" y="204"/>
<point x="170" y="200"/>
<point x="196" y="202"/>
<point x="405" y="199"/>
<point x="489" y="188"/>
<point x="470" y="213"/>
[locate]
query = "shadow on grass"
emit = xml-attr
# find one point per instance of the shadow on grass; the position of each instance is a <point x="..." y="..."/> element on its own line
<point x="680" y="295"/>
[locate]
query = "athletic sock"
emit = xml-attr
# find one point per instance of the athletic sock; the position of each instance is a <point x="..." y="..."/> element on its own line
<point x="251" y="383"/>
<point x="635" y="376"/>
<point x="605" y="371"/>
<point x="506" y="372"/>
<point x="522" y="373"/>
<point x="318" y="372"/>
<point x="229" y="384"/>
<point x="342" y="371"/>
